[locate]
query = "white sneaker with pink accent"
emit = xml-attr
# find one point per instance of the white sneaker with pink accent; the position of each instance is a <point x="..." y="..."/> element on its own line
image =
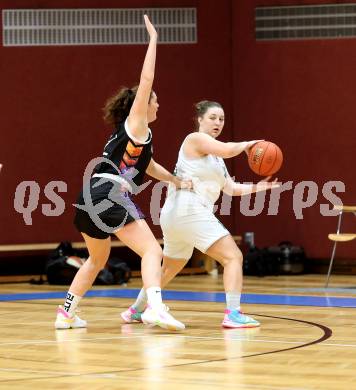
<point x="160" y="316"/>
<point x="131" y="315"/>
<point x="65" y="321"/>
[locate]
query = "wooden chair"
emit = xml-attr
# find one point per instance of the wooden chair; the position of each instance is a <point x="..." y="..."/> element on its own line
<point x="339" y="237"/>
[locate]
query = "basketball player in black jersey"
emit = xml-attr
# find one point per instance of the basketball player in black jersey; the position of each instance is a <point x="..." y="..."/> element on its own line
<point x="106" y="206"/>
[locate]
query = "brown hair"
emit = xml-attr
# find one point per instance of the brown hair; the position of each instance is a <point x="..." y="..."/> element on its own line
<point x="201" y="108"/>
<point x="117" y="107"/>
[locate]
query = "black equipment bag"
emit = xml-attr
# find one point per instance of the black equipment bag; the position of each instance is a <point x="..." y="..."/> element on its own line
<point x="258" y="262"/>
<point x="60" y="272"/>
<point x="65" y="249"/>
<point x="64" y="262"/>
<point x="274" y="260"/>
<point x="59" y="269"/>
<point x="120" y="270"/>
<point x="291" y="258"/>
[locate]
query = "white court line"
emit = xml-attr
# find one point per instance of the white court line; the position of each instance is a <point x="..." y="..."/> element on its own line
<point x="40" y="372"/>
<point x="205" y="382"/>
<point x="46" y="322"/>
<point x="200" y="382"/>
<point x="118" y="376"/>
<point x="35" y="342"/>
<point x="136" y="335"/>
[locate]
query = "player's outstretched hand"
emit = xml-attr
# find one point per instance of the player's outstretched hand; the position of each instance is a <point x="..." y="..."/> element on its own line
<point x="265" y="184"/>
<point x="249" y="144"/>
<point x="150" y="27"/>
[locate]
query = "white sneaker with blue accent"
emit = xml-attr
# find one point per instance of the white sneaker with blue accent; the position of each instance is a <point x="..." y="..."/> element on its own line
<point x="236" y="319"/>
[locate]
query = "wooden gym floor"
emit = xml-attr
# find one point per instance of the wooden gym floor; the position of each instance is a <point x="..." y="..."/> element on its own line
<point x="307" y="339"/>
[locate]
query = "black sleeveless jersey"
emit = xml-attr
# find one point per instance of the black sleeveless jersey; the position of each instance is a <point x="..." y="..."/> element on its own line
<point x="125" y="153"/>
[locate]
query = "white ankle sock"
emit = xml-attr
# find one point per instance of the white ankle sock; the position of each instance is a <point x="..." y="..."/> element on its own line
<point x="154" y="296"/>
<point x="71" y="302"/>
<point x="233" y="300"/>
<point x="141" y="301"/>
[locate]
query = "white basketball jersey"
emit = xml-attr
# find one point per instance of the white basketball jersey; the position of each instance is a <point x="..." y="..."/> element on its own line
<point x="208" y="174"/>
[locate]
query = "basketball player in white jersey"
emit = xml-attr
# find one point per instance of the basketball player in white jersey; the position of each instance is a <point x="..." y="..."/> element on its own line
<point x="187" y="217"/>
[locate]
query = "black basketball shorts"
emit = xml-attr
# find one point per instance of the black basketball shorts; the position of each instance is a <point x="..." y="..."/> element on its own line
<point x="97" y="220"/>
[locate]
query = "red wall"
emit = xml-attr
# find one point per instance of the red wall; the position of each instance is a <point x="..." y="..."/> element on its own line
<point x="51" y="99"/>
<point x="301" y="95"/>
<point x="298" y="94"/>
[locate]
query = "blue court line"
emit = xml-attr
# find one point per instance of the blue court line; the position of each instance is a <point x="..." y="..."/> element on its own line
<point x="262" y="299"/>
<point x="344" y="290"/>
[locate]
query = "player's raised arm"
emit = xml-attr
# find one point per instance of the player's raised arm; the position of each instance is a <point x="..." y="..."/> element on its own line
<point x="137" y="119"/>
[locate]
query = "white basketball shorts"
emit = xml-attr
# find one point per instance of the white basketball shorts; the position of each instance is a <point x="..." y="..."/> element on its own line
<point x="187" y="223"/>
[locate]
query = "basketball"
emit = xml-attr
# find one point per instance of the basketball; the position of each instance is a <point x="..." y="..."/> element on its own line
<point x="265" y="158"/>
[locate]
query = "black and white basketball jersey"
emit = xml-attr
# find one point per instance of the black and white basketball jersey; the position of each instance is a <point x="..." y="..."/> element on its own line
<point x="126" y="153"/>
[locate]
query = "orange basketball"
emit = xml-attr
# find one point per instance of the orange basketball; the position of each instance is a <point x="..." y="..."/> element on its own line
<point x="265" y="158"/>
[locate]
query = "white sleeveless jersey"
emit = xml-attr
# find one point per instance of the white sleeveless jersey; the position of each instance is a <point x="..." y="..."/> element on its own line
<point x="207" y="173"/>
